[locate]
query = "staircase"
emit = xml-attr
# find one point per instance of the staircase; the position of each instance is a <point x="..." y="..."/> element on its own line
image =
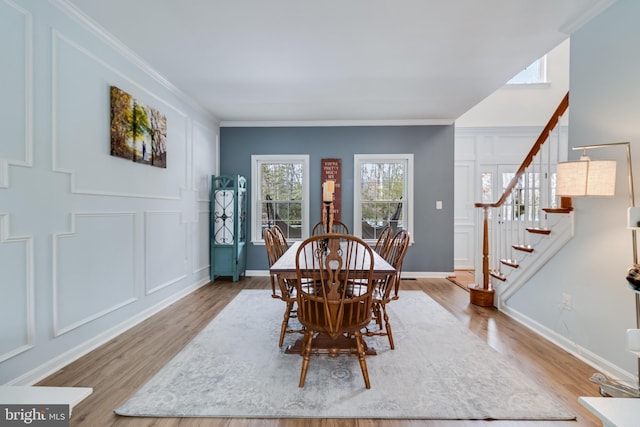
<point x="528" y="225"/>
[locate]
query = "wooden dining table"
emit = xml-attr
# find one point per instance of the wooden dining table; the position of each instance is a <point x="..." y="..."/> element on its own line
<point x="285" y="267"/>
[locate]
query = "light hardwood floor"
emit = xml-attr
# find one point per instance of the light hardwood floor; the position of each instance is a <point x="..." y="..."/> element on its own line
<point x="120" y="367"/>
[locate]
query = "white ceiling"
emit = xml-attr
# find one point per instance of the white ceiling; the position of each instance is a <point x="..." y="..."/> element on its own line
<point x="402" y="61"/>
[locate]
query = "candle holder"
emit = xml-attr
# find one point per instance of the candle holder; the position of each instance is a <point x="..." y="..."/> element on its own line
<point x="327" y="216"/>
<point x="327" y="222"/>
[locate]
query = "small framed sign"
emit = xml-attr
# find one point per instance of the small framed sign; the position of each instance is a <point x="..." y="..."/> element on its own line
<point x="331" y="170"/>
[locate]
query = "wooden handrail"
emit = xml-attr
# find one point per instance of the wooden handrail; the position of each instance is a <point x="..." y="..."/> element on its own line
<point x="544" y="135"/>
<point x="484" y="295"/>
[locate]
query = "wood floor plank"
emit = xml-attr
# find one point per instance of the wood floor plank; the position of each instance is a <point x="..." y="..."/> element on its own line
<point x="120" y="367"/>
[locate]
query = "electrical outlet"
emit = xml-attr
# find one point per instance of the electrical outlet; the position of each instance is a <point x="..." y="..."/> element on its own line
<point x="566" y="301"/>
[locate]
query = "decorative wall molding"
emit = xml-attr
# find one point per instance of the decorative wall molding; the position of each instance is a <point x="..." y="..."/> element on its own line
<point x="27" y="161"/>
<point x="28" y="285"/>
<point x="191" y="204"/>
<point x="57" y="38"/>
<point x="465" y="179"/>
<point x="150" y="287"/>
<point x="464" y="243"/>
<point x="58" y="328"/>
<point x="482" y="149"/>
<point x="87" y="278"/>
<point x="42" y="371"/>
<point x="203" y="223"/>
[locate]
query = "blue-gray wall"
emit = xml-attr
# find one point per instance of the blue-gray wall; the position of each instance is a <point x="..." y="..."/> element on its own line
<point x="433" y="150"/>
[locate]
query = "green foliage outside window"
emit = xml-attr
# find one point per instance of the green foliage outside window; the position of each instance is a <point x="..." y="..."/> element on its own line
<point x="281" y="192"/>
<point x="383" y="186"/>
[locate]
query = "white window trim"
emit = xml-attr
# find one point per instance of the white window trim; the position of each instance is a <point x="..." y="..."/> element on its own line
<point x="256" y="212"/>
<point x="542" y="77"/>
<point x="357" y="185"/>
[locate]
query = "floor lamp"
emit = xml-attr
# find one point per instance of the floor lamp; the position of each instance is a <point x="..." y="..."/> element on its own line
<point x="597" y="178"/>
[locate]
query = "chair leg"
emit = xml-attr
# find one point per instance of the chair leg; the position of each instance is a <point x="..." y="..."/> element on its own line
<point x="306" y="353"/>
<point x="377" y="314"/>
<point x="273" y="286"/>
<point x="387" y="327"/>
<point x="285" y="323"/>
<point x="363" y="361"/>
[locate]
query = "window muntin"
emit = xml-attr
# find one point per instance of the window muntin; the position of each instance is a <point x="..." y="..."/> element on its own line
<point x="383" y="193"/>
<point x="520" y="206"/>
<point x="280" y="194"/>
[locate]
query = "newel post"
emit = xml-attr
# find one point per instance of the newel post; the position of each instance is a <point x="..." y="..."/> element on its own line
<point x="483" y="296"/>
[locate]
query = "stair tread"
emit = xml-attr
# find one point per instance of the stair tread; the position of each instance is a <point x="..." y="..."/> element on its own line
<point x="538" y="230"/>
<point x="510" y="262"/>
<point x="498" y="275"/>
<point x="524" y="248"/>
<point x="558" y="210"/>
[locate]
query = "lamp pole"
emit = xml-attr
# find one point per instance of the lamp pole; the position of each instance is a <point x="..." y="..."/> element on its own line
<point x="634" y="241"/>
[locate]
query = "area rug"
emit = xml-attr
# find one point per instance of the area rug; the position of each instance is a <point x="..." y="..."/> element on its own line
<point x="439" y="370"/>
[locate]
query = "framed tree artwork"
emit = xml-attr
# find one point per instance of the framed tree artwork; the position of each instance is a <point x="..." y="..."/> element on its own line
<point x="138" y="131"/>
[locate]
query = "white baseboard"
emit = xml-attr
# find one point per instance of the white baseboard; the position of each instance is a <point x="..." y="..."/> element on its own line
<point x="257" y="273"/>
<point x="426" y="274"/>
<point x="598" y="363"/>
<point x="53" y="365"/>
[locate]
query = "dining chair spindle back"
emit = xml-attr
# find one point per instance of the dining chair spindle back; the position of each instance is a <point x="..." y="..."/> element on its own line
<point x="279" y="233"/>
<point x="338" y="227"/>
<point x="382" y="295"/>
<point x="286" y="288"/>
<point x="384" y="238"/>
<point x="325" y="265"/>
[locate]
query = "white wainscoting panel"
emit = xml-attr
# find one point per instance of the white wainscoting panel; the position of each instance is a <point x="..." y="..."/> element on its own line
<point x="475" y="149"/>
<point x="17" y="302"/>
<point x="165" y="237"/>
<point x="16" y="87"/>
<point x="82" y="259"/>
<point x="464" y="244"/>
<point x="465" y="148"/>
<point x="464" y="192"/>
<point x="201" y="241"/>
<point x="94" y="268"/>
<point x="81" y="112"/>
<point x="464" y="214"/>
<point x="204" y="156"/>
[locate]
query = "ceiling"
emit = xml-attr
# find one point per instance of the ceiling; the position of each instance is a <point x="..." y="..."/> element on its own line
<point x="349" y="61"/>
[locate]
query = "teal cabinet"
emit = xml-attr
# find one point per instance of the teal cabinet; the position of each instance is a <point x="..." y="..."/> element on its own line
<point x="228" y="226"/>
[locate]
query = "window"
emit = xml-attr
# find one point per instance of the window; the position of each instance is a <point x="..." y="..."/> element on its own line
<point x="523" y="203"/>
<point x="520" y="206"/>
<point x="534" y="73"/>
<point x="486" y="178"/>
<point x="383" y="193"/>
<point x="280" y="194"/>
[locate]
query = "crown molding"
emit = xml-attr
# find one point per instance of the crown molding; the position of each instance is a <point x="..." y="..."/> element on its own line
<point x="335" y="123"/>
<point x="579" y="20"/>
